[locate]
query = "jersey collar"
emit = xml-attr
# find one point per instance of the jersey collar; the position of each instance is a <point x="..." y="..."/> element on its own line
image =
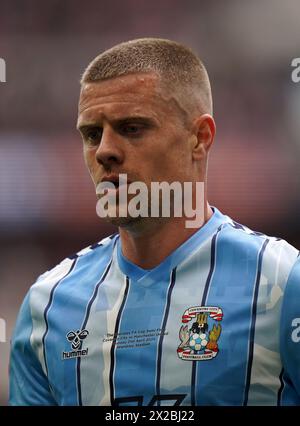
<point x="186" y="249"/>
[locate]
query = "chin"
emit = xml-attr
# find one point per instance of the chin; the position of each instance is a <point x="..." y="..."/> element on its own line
<point x="123" y="222"/>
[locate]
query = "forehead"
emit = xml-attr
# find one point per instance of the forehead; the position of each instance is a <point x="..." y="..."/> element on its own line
<point x="133" y="92"/>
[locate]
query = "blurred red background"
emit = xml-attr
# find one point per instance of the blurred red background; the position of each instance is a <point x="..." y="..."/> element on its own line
<point x="47" y="201"/>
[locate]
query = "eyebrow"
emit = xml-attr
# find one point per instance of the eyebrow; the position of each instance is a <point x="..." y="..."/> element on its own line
<point x="132" y="118"/>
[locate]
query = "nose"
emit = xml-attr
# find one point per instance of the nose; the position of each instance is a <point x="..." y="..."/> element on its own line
<point x="110" y="150"/>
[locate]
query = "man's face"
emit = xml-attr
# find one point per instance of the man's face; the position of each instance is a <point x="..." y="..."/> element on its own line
<point x="130" y="125"/>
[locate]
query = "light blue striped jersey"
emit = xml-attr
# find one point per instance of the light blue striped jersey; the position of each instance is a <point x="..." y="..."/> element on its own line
<point x="216" y="323"/>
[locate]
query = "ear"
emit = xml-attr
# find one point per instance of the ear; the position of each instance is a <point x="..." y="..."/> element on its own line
<point x="204" y="133"/>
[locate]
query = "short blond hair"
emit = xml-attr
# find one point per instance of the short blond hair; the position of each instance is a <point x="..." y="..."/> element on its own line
<point x="179" y="68"/>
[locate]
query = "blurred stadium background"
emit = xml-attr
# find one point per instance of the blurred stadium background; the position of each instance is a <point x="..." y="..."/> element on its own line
<point x="47" y="202"/>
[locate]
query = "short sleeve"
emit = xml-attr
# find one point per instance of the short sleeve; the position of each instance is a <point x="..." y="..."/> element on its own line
<point x="290" y="332"/>
<point x="28" y="382"/>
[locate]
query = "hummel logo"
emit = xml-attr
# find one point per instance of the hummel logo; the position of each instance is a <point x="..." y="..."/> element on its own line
<point x="76" y="338"/>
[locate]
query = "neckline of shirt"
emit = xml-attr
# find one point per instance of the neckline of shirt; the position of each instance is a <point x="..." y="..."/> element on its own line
<point x="138" y="274"/>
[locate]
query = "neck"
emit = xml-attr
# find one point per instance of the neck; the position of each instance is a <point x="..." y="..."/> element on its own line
<point x="148" y="248"/>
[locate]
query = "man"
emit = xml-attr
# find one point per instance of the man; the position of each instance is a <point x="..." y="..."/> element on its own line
<point x="161" y="313"/>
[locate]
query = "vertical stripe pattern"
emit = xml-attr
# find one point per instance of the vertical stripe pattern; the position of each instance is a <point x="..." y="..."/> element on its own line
<point x="112" y="351"/>
<point x="84" y="326"/>
<point x="163" y="328"/>
<point x="203" y="302"/>
<point x="253" y="319"/>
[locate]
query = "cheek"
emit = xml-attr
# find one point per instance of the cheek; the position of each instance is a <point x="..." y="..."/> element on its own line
<point x="176" y="159"/>
<point x="89" y="157"/>
<point x="90" y="162"/>
<point x="163" y="162"/>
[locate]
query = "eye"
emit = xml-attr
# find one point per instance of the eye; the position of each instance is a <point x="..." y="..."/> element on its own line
<point x="93" y="135"/>
<point x="132" y="129"/>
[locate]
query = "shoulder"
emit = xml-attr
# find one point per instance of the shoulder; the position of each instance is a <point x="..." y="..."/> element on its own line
<point x="290" y="326"/>
<point x="276" y="256"/>
<point x="102" y="246"/>
<point x="292" y="296"/>
<point x="74" y="270"/>
<point x="87" y="256"/>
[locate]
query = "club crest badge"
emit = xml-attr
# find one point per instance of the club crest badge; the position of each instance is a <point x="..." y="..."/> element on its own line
<point x="199" y="333"/>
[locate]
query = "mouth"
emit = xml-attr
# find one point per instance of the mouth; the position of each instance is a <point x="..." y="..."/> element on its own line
<point x="111" y="183"/>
